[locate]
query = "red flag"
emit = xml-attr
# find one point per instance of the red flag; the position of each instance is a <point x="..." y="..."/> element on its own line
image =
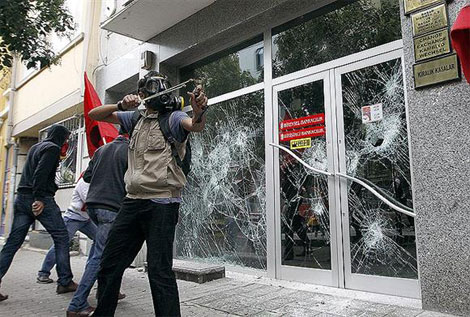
<point x="460" y="35"/>
<point x="97" y="133"/>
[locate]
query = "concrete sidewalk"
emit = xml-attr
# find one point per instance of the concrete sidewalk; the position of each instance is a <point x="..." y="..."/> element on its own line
<point x="236" y="295"/>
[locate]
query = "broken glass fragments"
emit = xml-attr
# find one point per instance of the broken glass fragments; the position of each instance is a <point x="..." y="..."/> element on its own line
<point x="223" y="216"/>
<point x="305" y="221"/>
<point x="382" y="241"/>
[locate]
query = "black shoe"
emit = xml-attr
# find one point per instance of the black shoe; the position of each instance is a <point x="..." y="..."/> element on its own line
<point x="3" y="297"/>
<point x="44" y="280"/>
<point x="72" y="287"/>
<point x="86" y="312"/>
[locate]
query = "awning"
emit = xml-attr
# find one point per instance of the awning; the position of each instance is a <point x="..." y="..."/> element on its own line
<point x="144" y="19"/>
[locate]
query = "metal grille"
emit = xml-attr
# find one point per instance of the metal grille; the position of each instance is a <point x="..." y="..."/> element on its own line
<point x="66" y="171"/>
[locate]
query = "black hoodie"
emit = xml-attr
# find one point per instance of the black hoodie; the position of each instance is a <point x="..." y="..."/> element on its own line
<point x="39" y="172"/>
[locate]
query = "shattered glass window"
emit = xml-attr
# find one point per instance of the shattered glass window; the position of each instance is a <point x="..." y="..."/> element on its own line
<point x="66" y="171"/>
<point x="382" y="240"/>
<point x="223" y="214"/>
<point x="229" y="70"/>
<point x="305" y="220"/>
<point x="332" y="32"/>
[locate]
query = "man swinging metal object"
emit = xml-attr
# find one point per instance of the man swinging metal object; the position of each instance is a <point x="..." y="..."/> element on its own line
<point x="154" y="182"/>
<point x="160" y="89"/>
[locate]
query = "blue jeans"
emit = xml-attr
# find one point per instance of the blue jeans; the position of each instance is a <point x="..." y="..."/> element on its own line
<point x="104" y="220"/>
<point x="86" y="227"/>
<point x="51" y="219"/>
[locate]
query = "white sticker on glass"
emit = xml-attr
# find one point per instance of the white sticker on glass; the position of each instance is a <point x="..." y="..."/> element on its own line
<point x="372" y="113"/>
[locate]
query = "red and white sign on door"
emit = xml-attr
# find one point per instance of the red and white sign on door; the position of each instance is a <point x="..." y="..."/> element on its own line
<point x="304" y="133"/>
<point x="302" y="122"/>
<point x="311" y="127"/>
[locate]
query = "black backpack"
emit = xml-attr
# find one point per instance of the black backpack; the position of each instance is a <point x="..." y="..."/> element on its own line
<point x="164" y="122"/>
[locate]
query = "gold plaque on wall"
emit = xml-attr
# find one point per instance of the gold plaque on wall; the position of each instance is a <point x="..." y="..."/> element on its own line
<point x="413" y="5"/>
<point x="429" y="20"/>
<point x="436" y="71"/>
<point x="432" y="45"/>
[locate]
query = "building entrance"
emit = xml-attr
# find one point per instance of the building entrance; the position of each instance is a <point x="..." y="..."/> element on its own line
<point x="343" y="198"/>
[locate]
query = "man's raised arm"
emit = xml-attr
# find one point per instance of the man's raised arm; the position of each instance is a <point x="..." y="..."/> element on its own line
<point x="199" y="105"/>
<point x="107" y="113"/>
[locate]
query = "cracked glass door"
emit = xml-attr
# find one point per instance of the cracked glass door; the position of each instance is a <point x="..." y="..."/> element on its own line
<point x="306" y="198"/>
<point x="345" y="215"/>
<point x="379" y="242"/>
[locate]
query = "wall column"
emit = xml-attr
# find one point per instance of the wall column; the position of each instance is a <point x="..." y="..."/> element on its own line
<point x="439" y="118"/>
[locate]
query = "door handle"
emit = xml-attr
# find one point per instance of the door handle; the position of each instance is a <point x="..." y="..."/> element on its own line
<point x="402" y="209"/>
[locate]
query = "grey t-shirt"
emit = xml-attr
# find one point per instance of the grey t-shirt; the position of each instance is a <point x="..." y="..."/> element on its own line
<point x="177" y="132"/>
<point x="176" y="118"/>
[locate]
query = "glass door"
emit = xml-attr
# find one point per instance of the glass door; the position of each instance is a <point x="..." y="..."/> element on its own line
<point x="344" y="212"/>
<point x="306" y="240"/>
<point x="379" y="247"/>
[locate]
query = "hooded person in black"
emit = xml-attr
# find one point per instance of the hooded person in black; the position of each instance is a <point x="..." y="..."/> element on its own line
<point x="38" y="177"/>
<point x="35" y="200"/>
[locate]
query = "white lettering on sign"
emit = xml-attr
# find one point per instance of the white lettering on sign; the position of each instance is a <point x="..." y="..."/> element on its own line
<point x="305" y="133"/>
<point x="302" y="122"/>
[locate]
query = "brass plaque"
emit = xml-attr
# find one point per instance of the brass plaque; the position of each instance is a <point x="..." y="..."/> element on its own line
<point x="413" y="5"/>
<point x="436" y="71"/>
<point x="432" y="19"/>
<point x="432" y="45"/>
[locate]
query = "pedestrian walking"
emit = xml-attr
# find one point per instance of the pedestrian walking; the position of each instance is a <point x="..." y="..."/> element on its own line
<point x="154" y="182"/>
<point x="105" y="173"/>
<point x="35" y="201"/>
<point x="76" y="219"/>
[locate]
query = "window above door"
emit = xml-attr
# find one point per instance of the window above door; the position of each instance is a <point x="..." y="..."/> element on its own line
<point x="333" y="32"/>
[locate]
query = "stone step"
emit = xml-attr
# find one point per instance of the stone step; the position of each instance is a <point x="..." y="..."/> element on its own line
<point x="197" y="272"/>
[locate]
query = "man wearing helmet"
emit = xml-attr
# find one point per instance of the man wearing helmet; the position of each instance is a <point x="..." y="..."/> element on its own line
<point x="154" y="181"/>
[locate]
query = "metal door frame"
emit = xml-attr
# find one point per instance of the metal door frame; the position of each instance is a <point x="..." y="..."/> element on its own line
<point x="301" y="274"/>
<point x="340" y="274"/>
<point x="373" y="283"/>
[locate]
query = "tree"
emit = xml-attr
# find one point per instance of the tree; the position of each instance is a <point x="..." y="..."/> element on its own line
<point x="222" y="75"/>
<point x="355" y="27"/>
<point x="25" y="29"/>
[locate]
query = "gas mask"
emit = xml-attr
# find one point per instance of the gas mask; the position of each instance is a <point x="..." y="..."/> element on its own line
<point x="162" y="103"/>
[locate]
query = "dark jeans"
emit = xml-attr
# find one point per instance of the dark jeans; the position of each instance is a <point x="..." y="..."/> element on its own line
<point x="51" y="219"/>
<point x="139" y="221"/>
<point x="86" y="227"/>
<point x="104" y="219"/>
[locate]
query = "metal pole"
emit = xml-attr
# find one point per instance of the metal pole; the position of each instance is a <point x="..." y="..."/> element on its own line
<point x="11" y="189"/>
<point x="354" y="179"/>
<point x="11" y="142"/>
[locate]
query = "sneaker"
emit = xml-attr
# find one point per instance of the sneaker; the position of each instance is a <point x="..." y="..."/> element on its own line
<point x="44" y="280"/>
<point x="86" y="312"/>
<point x="72" y="287"/>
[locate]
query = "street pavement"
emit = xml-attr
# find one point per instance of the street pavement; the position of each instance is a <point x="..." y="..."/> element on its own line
<point x="237" y="295"/>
